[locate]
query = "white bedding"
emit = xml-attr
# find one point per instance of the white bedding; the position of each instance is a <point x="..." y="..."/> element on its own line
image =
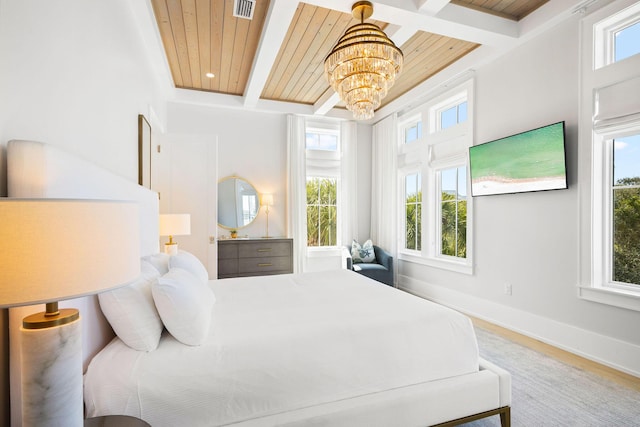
<point x="284" y="343"/>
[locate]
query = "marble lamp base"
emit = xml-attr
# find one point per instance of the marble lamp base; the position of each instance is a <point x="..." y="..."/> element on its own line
<point x="171" y="248"/>
<point x="52" y="376"/>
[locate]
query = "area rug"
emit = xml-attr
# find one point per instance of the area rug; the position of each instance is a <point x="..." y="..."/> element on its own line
<point x="548" y="392"/>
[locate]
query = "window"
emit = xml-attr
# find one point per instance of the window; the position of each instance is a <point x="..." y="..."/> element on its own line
<point x="413" y="212"/>
<point x="453" y="212"/>
<point x="610" y="156"/>
<point x="625" y="191"/>
<point x="322" y="212"/>
<point x="413" y="132"/>
<point x="626" y="42"/>
<point x="435" y="212"/>
<point x="323" y="141"/>
<point x="453" y="115"/>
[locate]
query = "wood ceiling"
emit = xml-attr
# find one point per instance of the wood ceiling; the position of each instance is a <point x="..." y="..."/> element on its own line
<point x="203" y="36"/>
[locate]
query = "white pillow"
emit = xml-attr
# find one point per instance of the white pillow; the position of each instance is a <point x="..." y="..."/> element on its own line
<point x="160" y="261"/>
<point x="364" y="253"/>
<point x="188" y="261"/>
<point x="185" y="304"/>
<point x="132" y="313"/>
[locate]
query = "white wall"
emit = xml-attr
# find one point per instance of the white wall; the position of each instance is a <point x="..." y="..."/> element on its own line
<point x="531" y="240"/>
<point x="75" y="74"/>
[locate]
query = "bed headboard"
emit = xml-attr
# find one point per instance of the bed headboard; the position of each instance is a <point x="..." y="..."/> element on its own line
<point x="39" y="170"/>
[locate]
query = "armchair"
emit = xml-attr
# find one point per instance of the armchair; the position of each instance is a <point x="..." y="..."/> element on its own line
<point x="380" y="270"/>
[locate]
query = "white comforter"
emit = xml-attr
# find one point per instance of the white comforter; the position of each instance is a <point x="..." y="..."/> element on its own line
<point x="284" y="343"/>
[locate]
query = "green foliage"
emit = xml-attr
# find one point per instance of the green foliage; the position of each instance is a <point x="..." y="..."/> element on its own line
<point x="626" y="231"/>
<point x="322" y="213"/>
<point x="413" y="221"/>
<point x="454" y="226"/>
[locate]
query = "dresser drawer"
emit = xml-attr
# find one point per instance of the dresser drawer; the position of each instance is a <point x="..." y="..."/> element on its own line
<point x="267" y="264"/>
<point x="254" y="257"/>
<point x="264" y="249"/>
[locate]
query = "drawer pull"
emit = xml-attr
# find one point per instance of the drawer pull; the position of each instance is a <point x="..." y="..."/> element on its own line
<point x="265" y="264"/>
<point x="264" y="250"/>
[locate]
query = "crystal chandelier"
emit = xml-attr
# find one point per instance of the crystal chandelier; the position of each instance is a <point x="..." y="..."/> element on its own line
<point x="363" y="65"/>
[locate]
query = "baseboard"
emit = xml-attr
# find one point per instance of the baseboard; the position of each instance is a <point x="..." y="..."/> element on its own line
<point x="612" y="352"/>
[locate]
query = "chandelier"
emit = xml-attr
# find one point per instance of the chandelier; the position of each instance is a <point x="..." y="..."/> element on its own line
<point x="363" y="65"/>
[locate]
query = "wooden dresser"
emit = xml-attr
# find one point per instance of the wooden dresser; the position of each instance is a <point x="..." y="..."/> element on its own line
<point x="254" y="257"/>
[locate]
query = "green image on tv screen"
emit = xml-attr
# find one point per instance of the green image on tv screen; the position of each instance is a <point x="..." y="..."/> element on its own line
<point x="528" y="161"/>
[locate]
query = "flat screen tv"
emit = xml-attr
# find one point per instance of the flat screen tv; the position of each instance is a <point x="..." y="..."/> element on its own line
<point x="529" y="161"/>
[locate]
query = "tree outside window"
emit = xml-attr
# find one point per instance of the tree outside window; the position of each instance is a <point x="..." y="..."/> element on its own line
<point x="453" y="212"/>
<point x="322" y="211"/>
<point x="626" y="210"/>
<point x="413" y="212"/>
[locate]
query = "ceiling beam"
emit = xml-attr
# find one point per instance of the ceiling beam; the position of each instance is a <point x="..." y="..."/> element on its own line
<point x="431" y="7"/>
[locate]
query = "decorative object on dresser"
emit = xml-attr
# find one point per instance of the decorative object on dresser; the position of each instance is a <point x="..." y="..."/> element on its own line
<point x="254" y="257"/>
<point x="267" y="200"/>
<point x="174" y="225"/>
<point x="61" y="249"/>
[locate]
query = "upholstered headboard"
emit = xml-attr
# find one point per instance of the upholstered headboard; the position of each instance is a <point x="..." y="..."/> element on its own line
<point x="38" y="170"/>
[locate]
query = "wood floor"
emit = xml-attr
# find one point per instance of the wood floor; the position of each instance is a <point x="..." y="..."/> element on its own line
<point x="562" y="355"/>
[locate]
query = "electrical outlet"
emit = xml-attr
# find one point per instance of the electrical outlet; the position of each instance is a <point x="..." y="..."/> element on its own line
<point x="508" y="289"/>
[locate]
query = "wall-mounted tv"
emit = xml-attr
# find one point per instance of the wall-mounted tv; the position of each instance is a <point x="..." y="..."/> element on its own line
<point x="529" y="161"/>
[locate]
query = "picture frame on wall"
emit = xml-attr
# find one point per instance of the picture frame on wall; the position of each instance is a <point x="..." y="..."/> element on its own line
<point x="144" y="152"/>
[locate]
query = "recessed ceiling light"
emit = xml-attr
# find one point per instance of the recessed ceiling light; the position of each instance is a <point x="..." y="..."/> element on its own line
<point x="210" y="75"/>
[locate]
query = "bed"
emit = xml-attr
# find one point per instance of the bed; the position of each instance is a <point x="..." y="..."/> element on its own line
<point x="332" y="348"/>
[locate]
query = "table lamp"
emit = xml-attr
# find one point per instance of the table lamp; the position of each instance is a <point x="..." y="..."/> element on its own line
<point x="267" y="200"/>
<point x="57" y="249"/>
<point x="174" y="225"/>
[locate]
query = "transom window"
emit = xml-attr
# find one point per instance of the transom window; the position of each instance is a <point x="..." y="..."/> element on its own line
<point x="322" y="140"/>
<point x="626" y="42"/>
<point x="453" y="115"/>
<point x="413" y="132"/>
<point x="625" y="191"/>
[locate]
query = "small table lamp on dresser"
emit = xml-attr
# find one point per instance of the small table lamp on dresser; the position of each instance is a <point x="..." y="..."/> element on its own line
<point x="57" y="249"/>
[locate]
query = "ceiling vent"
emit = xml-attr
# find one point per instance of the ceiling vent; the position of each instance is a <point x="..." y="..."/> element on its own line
<point x="244" y="8"/>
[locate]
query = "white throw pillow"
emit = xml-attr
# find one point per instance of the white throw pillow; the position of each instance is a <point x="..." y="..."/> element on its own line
<point x="364" y="253"/>
<point x="160" y="261"/>
<point x="132" y="313"/>
<point x="185" y="305"/>
<point x="188" y="261"/>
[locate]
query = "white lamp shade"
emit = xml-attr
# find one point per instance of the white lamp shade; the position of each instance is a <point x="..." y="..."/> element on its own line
<point x="56" y="249"/>
<point x="175" y="224"/>
<point x="267" y="200"/>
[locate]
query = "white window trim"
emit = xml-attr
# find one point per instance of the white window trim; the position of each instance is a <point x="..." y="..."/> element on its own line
<point x="452" y="143"/>
<point x="598" y="71"/>
<point x="402" y="189"/>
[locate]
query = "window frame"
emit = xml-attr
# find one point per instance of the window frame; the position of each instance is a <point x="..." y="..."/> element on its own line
<point x="403" y="190"/>
<point x="599" y="74"/>
<point x="439" y="209"/>
<point x="438" y="149"/>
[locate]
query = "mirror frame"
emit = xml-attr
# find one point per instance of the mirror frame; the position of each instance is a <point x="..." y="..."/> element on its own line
<point x="227" y="178"/>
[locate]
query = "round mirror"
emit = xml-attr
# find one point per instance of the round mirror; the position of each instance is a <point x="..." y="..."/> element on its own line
<point x="238" y="203"/>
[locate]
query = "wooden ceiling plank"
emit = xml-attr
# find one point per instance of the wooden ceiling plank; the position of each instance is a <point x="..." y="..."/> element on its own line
<point x="297" y="39"/>
<point x="217" y="18"/>
<point x="239" y="46"/>
<point x="229" y="24"/>
<point x="306" y="53"/>
<point x="180" y="40"/>
<point x="203" y="19"/>
<point x="286" y="48"/>
<point x="166" y="33"/>
<point x="315" y="85"/>
<point x="253" y="39"/>
<point x="189" y="17"/>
